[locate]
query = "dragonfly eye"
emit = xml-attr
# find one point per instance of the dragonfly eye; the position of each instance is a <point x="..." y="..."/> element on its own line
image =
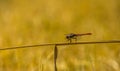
<point x="67" y="37"/>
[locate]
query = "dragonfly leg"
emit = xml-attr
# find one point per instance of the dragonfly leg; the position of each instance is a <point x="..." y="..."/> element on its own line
<point x="70" y="40"/>
<point x="75" y="39"/>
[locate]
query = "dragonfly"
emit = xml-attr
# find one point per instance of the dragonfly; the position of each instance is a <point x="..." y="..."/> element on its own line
<point x="71" y="36"/>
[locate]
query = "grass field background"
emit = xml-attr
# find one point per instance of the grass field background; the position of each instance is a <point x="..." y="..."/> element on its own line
<point x="27" y="22"/>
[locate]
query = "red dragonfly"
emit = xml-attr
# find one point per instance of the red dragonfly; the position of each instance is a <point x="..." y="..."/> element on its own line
<point x="71" y="36"/>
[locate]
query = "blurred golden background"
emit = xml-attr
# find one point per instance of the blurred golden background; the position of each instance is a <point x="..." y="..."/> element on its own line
<point x="27" y="22"/>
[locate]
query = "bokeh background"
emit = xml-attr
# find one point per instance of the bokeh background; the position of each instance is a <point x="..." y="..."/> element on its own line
<point x="27" y="22"/>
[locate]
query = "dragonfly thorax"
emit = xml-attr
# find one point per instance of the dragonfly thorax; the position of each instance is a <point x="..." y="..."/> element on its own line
<point x="70" y="36"/>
